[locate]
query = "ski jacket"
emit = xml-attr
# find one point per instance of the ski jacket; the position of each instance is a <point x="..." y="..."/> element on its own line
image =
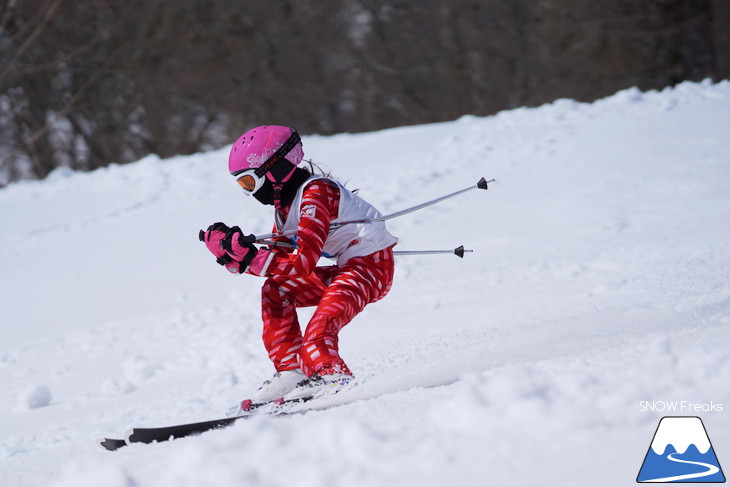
<point x="319" y="203"/>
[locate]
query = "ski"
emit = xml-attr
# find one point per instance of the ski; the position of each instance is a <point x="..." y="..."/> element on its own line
<point x="166" y="433"/>
<point x="111" y="444"/>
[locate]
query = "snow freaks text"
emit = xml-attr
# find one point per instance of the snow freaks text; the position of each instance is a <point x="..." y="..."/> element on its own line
<point x="680" y="407"/>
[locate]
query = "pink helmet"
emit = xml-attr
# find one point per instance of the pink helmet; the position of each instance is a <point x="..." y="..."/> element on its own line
<point x="262" y="147"/>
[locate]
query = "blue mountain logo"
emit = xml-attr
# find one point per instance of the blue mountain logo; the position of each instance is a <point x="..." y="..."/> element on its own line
<point x="681" y="452"/>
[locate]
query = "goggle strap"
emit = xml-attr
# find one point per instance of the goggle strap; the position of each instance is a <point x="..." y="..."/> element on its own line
<point x="291" y="142"/>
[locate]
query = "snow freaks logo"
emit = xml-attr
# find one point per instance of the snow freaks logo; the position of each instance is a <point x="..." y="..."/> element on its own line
<point x="685" y="407"/>
<point x="680" y="452"/>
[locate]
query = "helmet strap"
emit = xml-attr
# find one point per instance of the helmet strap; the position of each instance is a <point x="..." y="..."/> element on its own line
<point x="277" y="195"/>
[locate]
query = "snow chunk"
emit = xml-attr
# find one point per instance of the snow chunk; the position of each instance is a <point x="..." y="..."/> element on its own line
<point x="138" y="369"/>
<point x="112" y="387"/>
<point x="34" y="397"/>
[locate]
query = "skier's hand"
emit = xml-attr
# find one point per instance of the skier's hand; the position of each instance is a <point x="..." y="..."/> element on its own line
<point x="212" y="238"/>
<point x="239" y="248"/>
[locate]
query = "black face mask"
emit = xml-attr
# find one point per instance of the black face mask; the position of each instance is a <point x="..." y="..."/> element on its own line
<point x="265" y="195"/>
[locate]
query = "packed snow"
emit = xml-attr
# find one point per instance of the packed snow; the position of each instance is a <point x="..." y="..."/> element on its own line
<point x="597" y="297"/>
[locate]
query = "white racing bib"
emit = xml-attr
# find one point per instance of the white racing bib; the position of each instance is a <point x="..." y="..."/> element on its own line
<point x="348" y="241"/>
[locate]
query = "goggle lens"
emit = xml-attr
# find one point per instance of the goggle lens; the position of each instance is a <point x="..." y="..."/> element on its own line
<point x="247" y="182"/>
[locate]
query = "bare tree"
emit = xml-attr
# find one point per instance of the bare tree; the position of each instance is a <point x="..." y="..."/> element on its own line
<point x="87" y="82"/>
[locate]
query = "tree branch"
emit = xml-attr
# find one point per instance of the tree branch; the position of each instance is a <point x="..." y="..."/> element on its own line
<point x="47" y="16"/>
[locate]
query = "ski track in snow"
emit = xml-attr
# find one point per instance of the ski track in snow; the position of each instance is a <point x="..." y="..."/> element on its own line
<point x="599" y="280"/>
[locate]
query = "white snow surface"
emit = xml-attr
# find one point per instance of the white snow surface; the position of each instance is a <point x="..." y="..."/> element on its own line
<point x="600" y="278"/>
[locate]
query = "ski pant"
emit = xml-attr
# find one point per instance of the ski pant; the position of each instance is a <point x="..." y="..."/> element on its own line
<point x="339" y="293"/>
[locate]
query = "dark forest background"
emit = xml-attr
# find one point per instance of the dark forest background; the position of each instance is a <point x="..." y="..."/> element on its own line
<point x="84" y="83"/>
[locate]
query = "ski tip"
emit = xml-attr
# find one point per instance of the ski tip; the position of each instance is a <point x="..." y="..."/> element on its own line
<point x="111" y="444"/>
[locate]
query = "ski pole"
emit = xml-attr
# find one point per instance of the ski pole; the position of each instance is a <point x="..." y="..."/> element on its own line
<point x="481" y="184"/>
<point x="458" y="251"/>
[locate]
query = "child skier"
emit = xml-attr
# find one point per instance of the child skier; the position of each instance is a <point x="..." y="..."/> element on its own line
<point x="264" y="161"/>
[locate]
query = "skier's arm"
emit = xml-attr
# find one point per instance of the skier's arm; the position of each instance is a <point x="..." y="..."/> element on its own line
<point x="320" y="204"/>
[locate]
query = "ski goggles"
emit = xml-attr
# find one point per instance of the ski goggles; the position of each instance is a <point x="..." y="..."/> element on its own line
<point x="252" y="179"/>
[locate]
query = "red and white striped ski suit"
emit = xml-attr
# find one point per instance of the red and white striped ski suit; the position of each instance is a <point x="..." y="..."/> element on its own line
<point x="294" y="281"/>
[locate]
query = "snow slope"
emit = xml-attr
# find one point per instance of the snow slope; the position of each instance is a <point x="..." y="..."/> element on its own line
<point x="600" y="279"/>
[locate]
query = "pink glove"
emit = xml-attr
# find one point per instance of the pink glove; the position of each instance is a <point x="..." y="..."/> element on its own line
<point x="212" y="238"/>
<point x="239" y="249"/>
